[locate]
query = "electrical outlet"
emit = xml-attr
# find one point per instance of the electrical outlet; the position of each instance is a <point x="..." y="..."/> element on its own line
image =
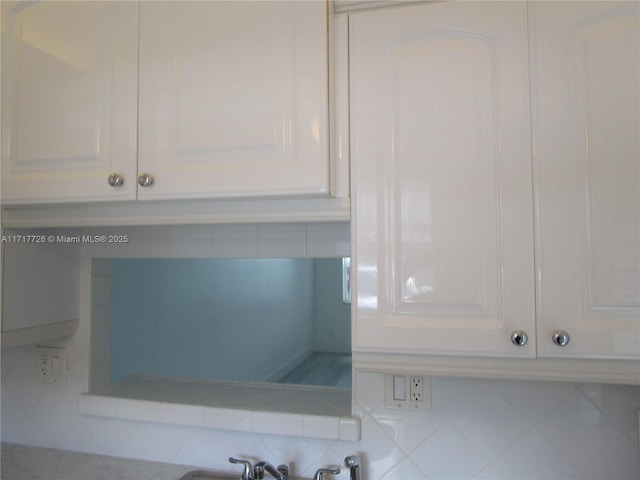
<point x="407" y="392"/>
<point x="51" y="365"/>
<point x="416" y="389"/>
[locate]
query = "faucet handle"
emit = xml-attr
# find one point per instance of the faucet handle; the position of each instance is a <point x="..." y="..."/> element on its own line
<point x="322" y="471"/>
<point x="247" y="473"/>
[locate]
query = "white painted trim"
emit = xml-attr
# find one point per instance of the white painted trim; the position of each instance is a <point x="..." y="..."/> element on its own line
<point x="187" y="212"/>
<point x="339" y="104"/>
<point x="625" y="372"/>
<point x="39" y="334"/>
<point x="350" y="6"/>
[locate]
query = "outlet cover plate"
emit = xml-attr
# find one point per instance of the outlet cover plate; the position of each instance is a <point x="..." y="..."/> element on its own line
<point x="51" y="365"/>
<point x="395" y="399"/>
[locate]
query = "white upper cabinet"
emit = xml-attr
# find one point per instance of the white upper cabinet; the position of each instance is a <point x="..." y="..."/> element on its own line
<point x="586" y="121"/>
<point x="69" y="100"/>
<point x="203" y="99"/>
<point x="455" y="192"/>
<point x="441" y="173"/>
<point x="234" y="98"/>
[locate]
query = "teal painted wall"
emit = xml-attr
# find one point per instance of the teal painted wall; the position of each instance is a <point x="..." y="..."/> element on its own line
<point x="332" y="318"/>
<point x="224" y="319"/>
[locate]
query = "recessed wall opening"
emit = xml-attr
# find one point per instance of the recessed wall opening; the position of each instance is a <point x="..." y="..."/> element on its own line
<point x="213" y="324"/>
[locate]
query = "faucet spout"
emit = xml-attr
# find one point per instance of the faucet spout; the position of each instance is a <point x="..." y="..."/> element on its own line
<point x="280" y="473"/>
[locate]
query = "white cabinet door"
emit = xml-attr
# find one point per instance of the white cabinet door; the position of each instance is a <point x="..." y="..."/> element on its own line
<point x="69" y="100"/>
<point x="233" y="99"/>
<point x="441" y="171"/>
<point x="586" y="97"/>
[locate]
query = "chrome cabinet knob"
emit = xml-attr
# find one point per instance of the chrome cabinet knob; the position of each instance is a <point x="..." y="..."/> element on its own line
<point x="519" y="338"/>
<point x="145" y="180"/>
<point x="561" y="338"/>
<point x="115" y="180"/>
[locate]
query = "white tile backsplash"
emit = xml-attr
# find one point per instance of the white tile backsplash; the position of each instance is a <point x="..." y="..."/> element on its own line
<point x="483" y="429"/>
<point x="282" y="240"/>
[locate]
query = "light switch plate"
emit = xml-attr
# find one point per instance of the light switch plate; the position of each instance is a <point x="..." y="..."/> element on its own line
<point x="51" y="365"/>
<point x="404" y="391"/>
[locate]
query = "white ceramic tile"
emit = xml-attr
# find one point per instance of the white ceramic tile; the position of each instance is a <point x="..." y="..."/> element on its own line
<point x="451" y="395"/>
<point x="350" y="429"/>
<point x="369" y="389"/>
<point x="59" y="424"/>
<point x="533" y="400"/>
<point x="100" y="292"/>
<point x="330" y="239"/>
<point x="27" y="434"/>
<point x="100" y="322"/>
<point x="487" y="473"/>
<point x="165" y="441"/>
<point x="487" y="420"/>
<point x="282" y="240"/>
<point x="99" y="379"/>
<point x="235" y="240"/>
<point x="620" y="462"/>
<point x="139" y="410"/>
<point x="277" y="423"/>
<point x="148" y="242"/>
<point x="522" y="460"/>
<point x="320" y="426"/>
<point x="405" y="470"/>
<point x="448" y="455"/>
<point x="98" y="405"/>
<point x="101" y="267"/>
<point x="190" y="241"/>
<point x="11" y="358"/>
<point x="577" y="430"/>
<point x="135" y="445"/>
<point x="100" y="353"/>
<point x="228" y="419"/>
<point x="21" y="384"/>
<point x="11" y="412"/>
<point x="107" y="434"/>
<point x="182" y="414"/>
<point x="408" y="429"/>
<point x="634" y="434"/>
<point x="617" y="402"/>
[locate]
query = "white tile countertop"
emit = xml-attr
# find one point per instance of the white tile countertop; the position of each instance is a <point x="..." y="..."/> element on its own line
<point x="26" y="463"/>
<point x="308" y="412"/>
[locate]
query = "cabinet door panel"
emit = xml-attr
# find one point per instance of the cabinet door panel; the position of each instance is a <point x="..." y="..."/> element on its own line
<point x="442" y="179"/>
<point x="586" y="85"/>
<point x="69" y="100"/>
<point x="234" y="98"/>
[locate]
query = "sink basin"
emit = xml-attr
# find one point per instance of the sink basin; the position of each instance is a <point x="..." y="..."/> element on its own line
<point x="209" y="475"/>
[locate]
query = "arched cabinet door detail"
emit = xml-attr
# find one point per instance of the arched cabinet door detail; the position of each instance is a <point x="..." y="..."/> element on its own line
<point x="442" y="179"/>
<point x="586" y="119"/>
<point x="69" y="101"/>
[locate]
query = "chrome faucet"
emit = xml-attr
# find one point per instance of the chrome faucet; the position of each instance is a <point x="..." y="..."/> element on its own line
<point x="280" y="473"/>
<point x="247" y="473"/>
<point x="353" y="464"/>
<point x="320" y="473"/>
